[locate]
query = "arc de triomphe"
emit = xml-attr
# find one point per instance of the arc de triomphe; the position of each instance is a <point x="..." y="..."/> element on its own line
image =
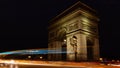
<point x="75" y="33"/>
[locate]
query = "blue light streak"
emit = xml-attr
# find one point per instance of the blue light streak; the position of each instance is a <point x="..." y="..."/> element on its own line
<point x="37" y="51"/>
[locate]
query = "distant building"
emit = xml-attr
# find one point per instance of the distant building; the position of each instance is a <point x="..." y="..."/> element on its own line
<point x="74" y="33"/>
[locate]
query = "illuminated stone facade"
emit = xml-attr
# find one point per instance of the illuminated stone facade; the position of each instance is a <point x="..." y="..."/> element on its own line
<point x="74" y="31"/>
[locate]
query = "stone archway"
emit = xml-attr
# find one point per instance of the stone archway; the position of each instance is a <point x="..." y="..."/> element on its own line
<point x="74" y="22"/>
<point x="61" y="37"/>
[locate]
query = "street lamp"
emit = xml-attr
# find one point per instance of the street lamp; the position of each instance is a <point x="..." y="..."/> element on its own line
<point x="41" y="57"/>
<point x="29" y="56"/>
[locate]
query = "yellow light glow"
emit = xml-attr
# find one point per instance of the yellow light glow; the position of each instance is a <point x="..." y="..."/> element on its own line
<point x="29" y="56"/>
<point x="101" y="59"/>
<point x="41" y="57"/>
<point x="64" y="40"/>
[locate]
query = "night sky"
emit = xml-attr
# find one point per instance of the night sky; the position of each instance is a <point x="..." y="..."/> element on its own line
<point x="23" y="23"/>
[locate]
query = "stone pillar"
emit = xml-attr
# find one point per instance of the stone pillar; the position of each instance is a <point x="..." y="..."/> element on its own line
<point x="96" y="49"/>
<point x="58" y="49"/>
<point x="70" y="53"/>
<point x="49" y="48"/>
<point x="81" y="48"/>
<point x="53" y="48"/>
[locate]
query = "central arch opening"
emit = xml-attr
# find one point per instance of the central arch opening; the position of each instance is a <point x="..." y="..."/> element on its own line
<point x="62" y="39"/>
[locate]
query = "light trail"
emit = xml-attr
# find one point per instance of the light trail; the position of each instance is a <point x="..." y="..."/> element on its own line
<point x="58" y="64"/>
<point x="37" y="51"/>
<point x="118" y="65"/>
<point x="40" y="63"/>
